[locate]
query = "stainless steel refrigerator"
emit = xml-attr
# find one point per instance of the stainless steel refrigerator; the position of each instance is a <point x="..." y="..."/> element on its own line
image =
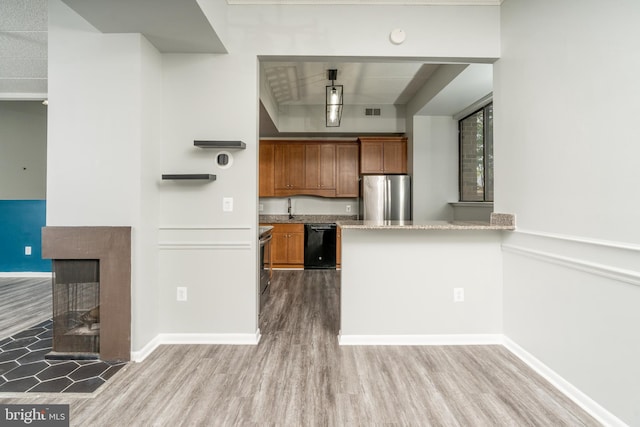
<point x="385" y="197"/>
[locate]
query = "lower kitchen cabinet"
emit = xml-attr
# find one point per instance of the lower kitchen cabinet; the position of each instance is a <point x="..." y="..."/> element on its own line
<point x="287" y="245"/>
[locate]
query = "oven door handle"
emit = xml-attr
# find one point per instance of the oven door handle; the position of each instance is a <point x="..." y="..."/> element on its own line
<point x="266" y="239"/>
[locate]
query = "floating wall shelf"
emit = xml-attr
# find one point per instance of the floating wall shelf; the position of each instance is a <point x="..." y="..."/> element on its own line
<point x="220" y="144"/>
<point x="190" y="176"/>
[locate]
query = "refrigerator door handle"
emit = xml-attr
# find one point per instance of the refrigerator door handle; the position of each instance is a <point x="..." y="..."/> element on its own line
<point x="387" y="199"/>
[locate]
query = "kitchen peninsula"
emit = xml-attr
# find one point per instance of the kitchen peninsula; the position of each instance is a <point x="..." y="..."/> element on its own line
<point x="422" y="282"/>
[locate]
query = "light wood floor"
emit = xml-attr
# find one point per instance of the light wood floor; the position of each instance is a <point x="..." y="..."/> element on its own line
<point x="299" y="376"/>
<point x="24" y="302"/>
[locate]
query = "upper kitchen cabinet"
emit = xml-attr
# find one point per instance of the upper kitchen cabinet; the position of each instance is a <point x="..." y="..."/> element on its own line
<point x="266" y="169"/>
<point x="347" y="165"/>
<point x="383" y="155"/>
<point x="320" y="168"/>
<point x="308" y="167"/>
<point x="288" y="168"/>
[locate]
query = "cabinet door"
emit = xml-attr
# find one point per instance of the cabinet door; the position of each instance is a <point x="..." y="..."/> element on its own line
<point x="312" y="166"/>
<point x="280" y="175"/>
<point x="295" y="165"/>
<point x="347" y="165"/>
<point x="296" y="248"/>
<point x="279" y="248"/>
<point x="327" y="166"/>
<point x="371" y="157"/>
<point x="288" y="166"/>
<point x="266" y="170"/>
<point x="320" y="167"/>
<point x="395" y="157"/>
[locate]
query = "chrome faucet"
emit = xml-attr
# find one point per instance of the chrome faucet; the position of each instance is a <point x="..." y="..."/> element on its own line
<point x="289" y="207"/>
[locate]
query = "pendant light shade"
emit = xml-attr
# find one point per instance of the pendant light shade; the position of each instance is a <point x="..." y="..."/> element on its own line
<point x="333" y="100"/>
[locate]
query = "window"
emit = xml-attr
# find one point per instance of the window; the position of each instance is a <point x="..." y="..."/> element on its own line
<point x="476" y="156"/>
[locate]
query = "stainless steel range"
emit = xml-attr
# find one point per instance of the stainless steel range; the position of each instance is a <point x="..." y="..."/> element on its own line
<point x="265" y="264"/>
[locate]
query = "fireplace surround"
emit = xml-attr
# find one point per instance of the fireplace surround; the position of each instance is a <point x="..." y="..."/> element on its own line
<point x="111" y="248"/>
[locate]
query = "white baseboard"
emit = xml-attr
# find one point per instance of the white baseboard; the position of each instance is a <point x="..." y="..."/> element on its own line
<point x="454" y="339"/>
<point x="35" y="274"/>
<point x="585" y="402"/>
<point x="160" y="339"/>
<point x="140" y="355"/>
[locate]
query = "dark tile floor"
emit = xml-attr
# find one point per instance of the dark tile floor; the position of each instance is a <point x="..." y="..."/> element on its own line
<point x="23" y="367"/>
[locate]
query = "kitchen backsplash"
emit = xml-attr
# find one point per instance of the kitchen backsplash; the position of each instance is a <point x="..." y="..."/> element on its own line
<point x="307" y="205"/>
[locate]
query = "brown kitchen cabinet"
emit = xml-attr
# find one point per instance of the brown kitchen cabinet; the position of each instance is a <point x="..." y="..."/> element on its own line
<point x="266" y="169"/>
<point x="347" y="166"/>
<point x="287" y="245"/>
<point x="320" y="169"/>
<point x="383" y="155"/>
<point x="288" y="167"/>
<point x="307" y="167"/>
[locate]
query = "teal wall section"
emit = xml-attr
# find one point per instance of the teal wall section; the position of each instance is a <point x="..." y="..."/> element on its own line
<point x="21" y="223"/>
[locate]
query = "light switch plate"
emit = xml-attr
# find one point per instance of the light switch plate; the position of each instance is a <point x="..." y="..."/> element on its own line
<point x="181" y="293"/>
<point x="227" y="204"/>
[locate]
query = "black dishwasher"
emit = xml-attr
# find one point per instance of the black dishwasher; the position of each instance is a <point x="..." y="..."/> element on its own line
<point x="319" y="246"/>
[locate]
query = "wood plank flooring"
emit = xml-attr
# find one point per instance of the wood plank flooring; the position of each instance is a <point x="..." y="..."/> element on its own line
<point x="24" y="302"/>
<point x="298" y="375"/>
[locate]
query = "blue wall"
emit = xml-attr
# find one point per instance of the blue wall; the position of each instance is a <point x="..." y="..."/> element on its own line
<point x="21" y="223"/>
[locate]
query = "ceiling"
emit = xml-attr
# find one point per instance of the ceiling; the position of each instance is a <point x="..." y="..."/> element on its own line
<point x="293" y="81"/>
<point x="303" y="82"/>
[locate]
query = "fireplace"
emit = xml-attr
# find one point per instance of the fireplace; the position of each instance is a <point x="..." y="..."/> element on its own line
<point x="91" y="291"/>
<point x="76" y="309"/>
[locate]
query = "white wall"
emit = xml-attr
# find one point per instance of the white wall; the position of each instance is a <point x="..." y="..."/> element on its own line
<point x="399" y="282"/>
<point x="103" y="144"/>
<point x="311" y="118"/>
<point x="328" y="30"/>
<point x="566" y="165"/>
<point x="23" y="150"/>
<point x="435" y="167"/>
<point x="308" y="205"/>
<point x="211" y="252"/>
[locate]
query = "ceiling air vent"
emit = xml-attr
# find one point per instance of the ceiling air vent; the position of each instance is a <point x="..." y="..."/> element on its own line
<point x="371" y="111"/>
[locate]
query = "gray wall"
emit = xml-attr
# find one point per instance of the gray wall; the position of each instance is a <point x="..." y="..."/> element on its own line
<point x="566" y="165"/>
<point x="23" y="150"/>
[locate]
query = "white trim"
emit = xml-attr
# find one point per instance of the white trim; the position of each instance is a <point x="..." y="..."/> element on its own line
<point x="203" y="245"/>
<point x="471" y="204"/>
<point x="26" y="274"/>
<point x="373" y="2"/>
<point x="454" y="339"/>
<point x="140" y="355"/>
<point x="205" y="227"/>
<point x="575" y="239"/>
<point x="26" y="96"/>
<point x="619" y="274"/>
<point x="211" y="339"/>
<point x="480" y="103"/>
<point x="585" y="402"/>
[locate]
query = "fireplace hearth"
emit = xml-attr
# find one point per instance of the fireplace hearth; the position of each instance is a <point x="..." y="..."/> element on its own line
<point x="91" y="291"/>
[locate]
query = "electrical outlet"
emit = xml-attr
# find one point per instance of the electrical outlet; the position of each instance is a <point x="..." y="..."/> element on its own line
<point x="260" y="207"/>
<point x="27" y="250"/>
<point x="348" y="208"/>
<point x="181" y="293"/>
<point x="227" y="204"/>
<point x="458" y="294"/>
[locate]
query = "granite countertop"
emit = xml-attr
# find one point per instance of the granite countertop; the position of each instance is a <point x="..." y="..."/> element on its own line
<point x="498" y="222"/>
<point x="305" y="219"/>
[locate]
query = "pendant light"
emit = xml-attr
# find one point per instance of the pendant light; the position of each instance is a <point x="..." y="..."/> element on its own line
<point x="333" y="100"/>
